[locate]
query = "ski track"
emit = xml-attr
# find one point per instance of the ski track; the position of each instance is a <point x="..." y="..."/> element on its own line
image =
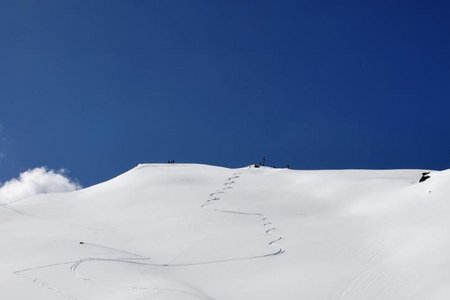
<point x="138" y="259"/>
<point x="51" y="288"/>
<point x="114" y="249"/>
<point x="265" y="219"/>
<point x="25" y="273"/>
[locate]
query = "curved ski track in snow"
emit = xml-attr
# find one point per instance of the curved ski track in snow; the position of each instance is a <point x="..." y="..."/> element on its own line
<point x="227" y="185"/>
<point x="265" y="219"/>
<point x="141" y="260"/>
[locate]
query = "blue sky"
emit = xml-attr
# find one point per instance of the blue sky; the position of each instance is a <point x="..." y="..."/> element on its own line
<point x="99" y="86"/>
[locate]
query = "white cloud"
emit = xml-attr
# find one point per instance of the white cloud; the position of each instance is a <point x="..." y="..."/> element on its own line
<point x="36" y="181"/>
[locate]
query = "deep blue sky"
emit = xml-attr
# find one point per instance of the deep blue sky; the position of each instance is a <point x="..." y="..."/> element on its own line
<point x="99" y="86"/>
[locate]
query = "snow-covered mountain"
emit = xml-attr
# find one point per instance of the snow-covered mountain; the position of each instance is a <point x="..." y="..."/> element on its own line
<point x="201" y="232"/>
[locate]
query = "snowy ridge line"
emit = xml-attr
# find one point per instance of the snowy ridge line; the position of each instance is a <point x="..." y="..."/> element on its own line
<point x="229" y="185"/>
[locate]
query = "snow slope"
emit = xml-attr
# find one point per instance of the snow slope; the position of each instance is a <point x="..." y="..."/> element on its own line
<point x="202" y="232"/>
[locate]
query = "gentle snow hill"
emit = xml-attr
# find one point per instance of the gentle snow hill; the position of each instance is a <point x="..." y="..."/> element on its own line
<point x="185" y="231"/>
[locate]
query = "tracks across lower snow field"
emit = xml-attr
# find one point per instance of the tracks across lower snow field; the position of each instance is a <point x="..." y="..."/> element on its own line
<point x="137" y="259"/>
<point x="214" y="196"/>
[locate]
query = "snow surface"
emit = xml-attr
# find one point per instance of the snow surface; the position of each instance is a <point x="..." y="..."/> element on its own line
<point x="201" y="232"/>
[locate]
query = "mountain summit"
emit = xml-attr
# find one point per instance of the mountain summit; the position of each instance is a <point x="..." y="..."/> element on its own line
<point x="187" y="231"/>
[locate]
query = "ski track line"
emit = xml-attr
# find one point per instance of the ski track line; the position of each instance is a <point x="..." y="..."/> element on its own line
<point x="139" y="259"/>
<point x="51" y="288"/>
<point x="114" y="249"/>
<point x="229" y="185"/>
<point x="22" y="273"/>
<point x="73" y="265"/>
<point x="132" y="260"/>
